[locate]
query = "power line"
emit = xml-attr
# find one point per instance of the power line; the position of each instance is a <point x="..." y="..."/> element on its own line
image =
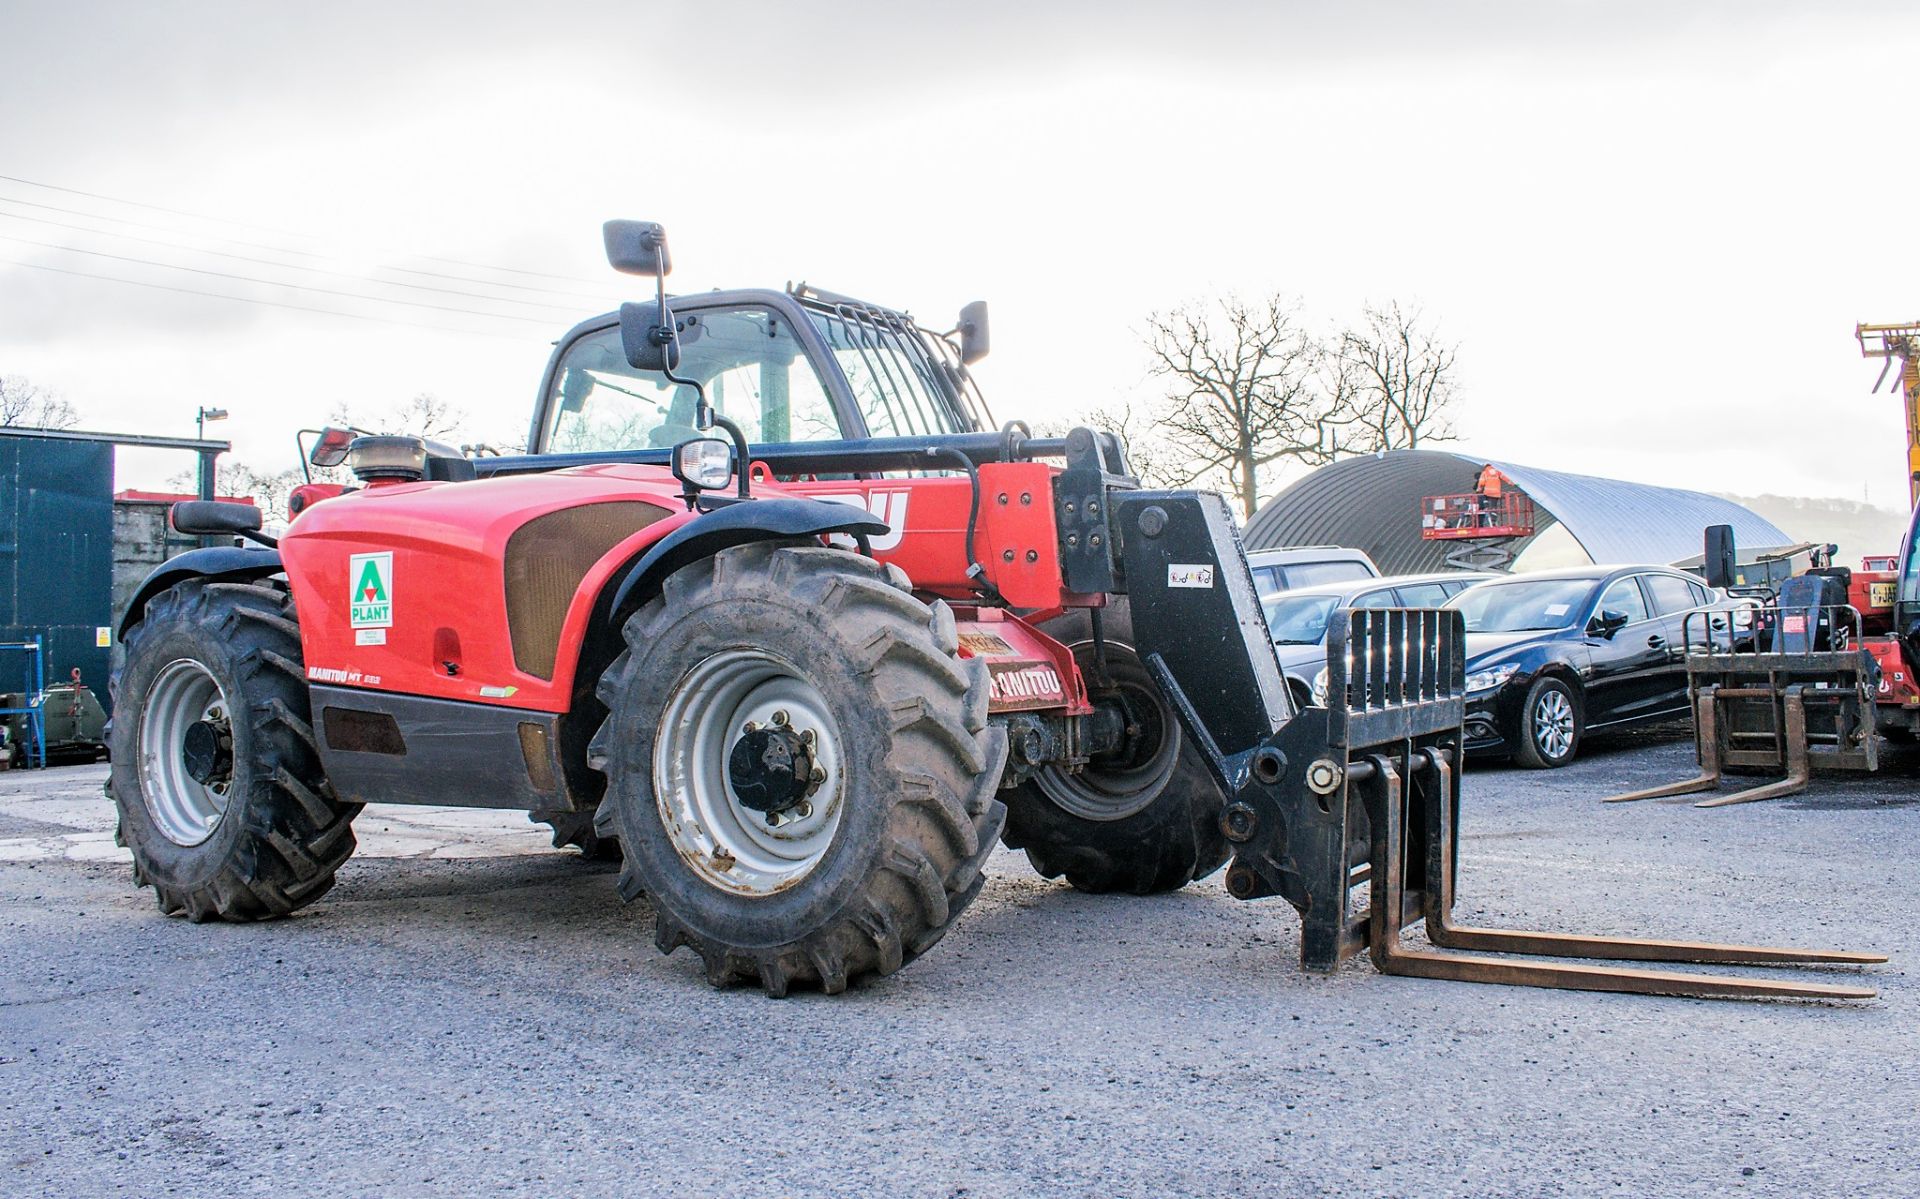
<point x="214" y="295"/>
<point x="325" y="291"/>
<point x="154" y="241"/>
<point x="283" y="232"/>
<point x="257" y="245"/>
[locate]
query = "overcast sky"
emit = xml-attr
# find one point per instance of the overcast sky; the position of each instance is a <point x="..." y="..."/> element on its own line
<point x="1650" y="226"/>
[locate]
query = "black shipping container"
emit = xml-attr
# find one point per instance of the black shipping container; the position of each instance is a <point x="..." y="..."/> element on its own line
<point x="56" y="556"/>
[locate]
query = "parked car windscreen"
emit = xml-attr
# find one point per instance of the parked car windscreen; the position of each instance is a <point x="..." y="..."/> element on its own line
<point x="1299" y="619"/>
<point x="1523" y="605"/>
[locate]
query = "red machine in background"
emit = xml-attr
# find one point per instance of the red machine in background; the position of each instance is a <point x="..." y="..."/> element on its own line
<point x="1886" y="591"/>
<point x="1482" y="524"/>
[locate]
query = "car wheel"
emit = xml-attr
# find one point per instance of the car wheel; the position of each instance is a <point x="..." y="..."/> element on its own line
<point x="1549" y="725"/>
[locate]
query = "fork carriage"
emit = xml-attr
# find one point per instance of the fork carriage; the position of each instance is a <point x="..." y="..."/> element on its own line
<point x="1366" y="790"/>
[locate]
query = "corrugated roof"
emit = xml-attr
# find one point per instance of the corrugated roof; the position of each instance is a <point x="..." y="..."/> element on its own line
<point x="1373" y="504"/>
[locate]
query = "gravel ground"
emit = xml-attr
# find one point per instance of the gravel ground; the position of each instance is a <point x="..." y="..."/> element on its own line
<point x="470" y="1012"/>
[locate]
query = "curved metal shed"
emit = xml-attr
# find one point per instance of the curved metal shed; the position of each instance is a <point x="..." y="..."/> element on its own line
<point x="1373" y="504"/>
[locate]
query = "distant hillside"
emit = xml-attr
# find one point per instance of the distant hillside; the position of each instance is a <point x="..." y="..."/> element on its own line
<point x="1855" y="527"/>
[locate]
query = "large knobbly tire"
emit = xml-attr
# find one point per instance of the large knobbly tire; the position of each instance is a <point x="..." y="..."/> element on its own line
<point x="266" y="835"/>
<point x="886" y="854"/>
<point x="576" y="828"/>
<point x="1142" y="822"/>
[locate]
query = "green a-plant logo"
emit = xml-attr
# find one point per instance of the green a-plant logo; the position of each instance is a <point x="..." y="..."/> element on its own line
<point x="370" y="600"/>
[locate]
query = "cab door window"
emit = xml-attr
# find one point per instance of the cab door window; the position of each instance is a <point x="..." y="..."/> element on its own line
<point x="753" y="368"/>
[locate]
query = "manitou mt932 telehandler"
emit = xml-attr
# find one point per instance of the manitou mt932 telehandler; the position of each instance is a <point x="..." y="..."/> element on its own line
<point x="806" y="671"/>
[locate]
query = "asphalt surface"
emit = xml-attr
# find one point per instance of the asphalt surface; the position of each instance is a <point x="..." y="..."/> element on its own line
<point x="469" y="1012"/>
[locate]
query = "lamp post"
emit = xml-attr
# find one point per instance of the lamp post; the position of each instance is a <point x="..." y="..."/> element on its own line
<point x="200" y="420"/>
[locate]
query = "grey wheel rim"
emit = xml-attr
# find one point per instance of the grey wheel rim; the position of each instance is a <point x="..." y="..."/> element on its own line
<point x="1553" y="724"/>
<point x="185" y="810"/>
<point x="728" y="844"/>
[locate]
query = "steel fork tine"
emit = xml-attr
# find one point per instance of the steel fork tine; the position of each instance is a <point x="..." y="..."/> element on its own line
<point x="1387" y="800"/>
<point x="1706" y="742"/>
<point x="1799" y="769"/>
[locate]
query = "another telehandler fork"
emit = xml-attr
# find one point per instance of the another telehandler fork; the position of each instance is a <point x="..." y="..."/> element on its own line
<point x="1366" y="790"/>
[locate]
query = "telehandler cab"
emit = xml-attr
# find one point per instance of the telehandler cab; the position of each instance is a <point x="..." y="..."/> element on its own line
<point x="804" y="673"/>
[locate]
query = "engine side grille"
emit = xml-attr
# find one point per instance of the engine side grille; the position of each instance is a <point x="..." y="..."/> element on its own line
<point x="546" y="559"/>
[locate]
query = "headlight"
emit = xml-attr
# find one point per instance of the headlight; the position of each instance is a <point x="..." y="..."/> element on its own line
<point x="1320" y="688"/>
<point x="1494" y="676"/>
<point x="705" y="462"/>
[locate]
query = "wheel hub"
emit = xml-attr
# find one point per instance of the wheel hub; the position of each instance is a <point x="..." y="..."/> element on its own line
<point x="771" y="768"/>
<point x="207" y="752"/>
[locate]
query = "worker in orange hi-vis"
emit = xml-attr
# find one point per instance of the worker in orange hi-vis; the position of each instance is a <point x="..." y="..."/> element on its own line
<point x="1490" y="486"/>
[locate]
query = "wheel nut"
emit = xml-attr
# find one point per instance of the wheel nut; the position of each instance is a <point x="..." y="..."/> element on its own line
<point x="818" y="776"/>
<point x="780" y="717"/>
<point x="804" y="810"/>
<point x="807" y="736"/>
<point x="748" y="727"/>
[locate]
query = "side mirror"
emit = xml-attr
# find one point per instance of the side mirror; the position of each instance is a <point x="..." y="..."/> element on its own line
<point x="703" y="464"/>
<point x="974" y="341"/>
<point x="574" y="389"/>
<point x="646" y="336"/>
<point x="1721" y="560"/>
<point x="638" y="248"/>
<point x="331" y="449"/>
<point x="1607" y="623"/>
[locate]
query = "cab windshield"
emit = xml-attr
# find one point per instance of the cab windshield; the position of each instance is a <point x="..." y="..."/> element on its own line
<point x="756" y="372"/>
<point x="748" y="360"/>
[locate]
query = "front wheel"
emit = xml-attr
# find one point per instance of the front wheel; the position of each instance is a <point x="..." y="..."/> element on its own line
<point x="799" y="767"/>
<point x="1550" y="725"/>
<point x="1140" y="820"/>
<point x="221" y="795"/>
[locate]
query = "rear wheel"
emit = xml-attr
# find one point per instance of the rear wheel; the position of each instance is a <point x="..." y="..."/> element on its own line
<point x="215" y="772"/>
<point x="1550" y="725"/>
<point x="1141" y="820"/>
<point x="799" y="767"/>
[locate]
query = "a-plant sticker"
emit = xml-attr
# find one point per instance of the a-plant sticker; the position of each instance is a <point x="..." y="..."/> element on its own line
<point x="370" y="603"/>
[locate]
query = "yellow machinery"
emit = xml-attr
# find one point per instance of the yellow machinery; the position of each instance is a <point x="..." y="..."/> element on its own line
<point x="1901" y="342"/>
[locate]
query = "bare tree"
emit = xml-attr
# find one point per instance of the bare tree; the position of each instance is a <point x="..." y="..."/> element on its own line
<point x="1246" y="390"/>
<point x="24" y="404"/>
<point x="425" y="415"/>
<point x="270" y="491"/>
<point x="1151" y="459"/>
<point x="1402" y="379"/>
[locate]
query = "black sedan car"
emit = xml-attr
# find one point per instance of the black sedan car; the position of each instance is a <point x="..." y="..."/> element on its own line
<point x="1556" y="655"/>
<point x="1297" y="618"/>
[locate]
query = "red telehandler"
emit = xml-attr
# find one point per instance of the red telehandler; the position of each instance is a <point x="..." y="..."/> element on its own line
<point x="771" y="604"/>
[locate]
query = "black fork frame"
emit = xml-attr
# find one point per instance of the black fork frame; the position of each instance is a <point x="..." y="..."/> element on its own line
<point x="1364" y="792"/>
